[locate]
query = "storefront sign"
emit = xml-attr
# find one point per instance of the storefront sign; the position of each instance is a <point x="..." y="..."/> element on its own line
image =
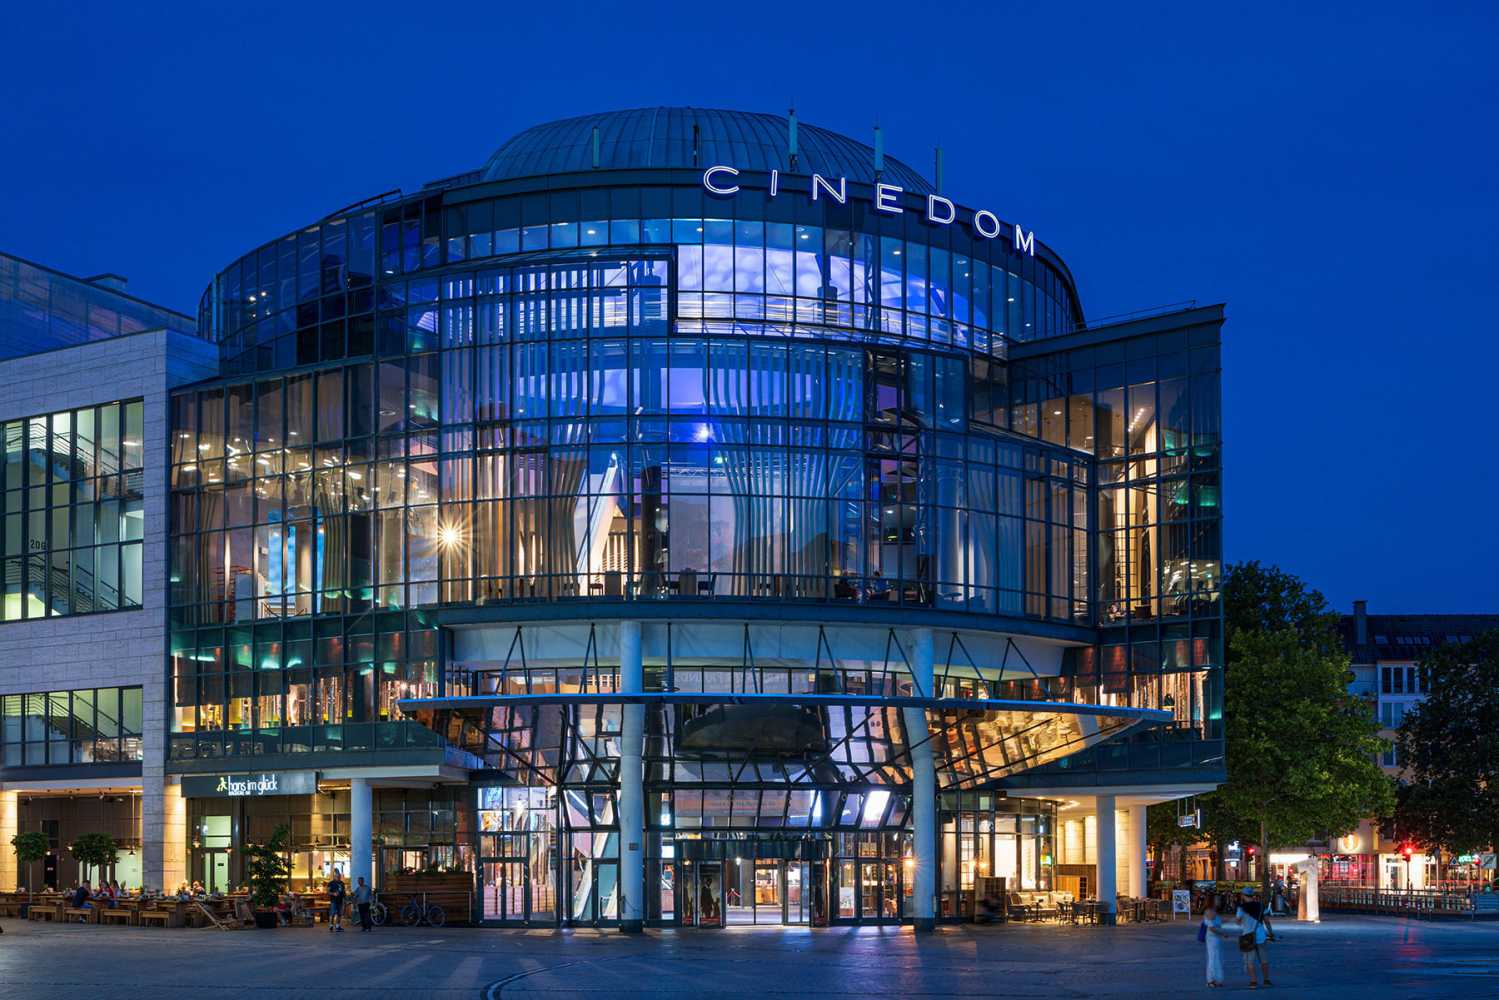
<point x="1191" y="819"/>
<point x="719" y="180"/>
<point x="254" y="785"/>
<point x="1349" y="844"/>
<point x="1181" y="902"/>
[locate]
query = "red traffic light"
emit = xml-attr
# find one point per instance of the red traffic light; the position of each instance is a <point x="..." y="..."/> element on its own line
<point x="1407" y="850"/>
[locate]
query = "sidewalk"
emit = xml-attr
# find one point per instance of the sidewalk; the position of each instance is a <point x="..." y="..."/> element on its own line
<point x="1371" y="958"/>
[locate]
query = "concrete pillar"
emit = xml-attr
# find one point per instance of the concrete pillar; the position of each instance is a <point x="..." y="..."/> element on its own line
<point x="153" y="829"/>
<point x="1139" y="827"/>
<point x="174" y="839"/>
<point x="923" y="787"/>
<point x="10" y="825"/>
<point x="153" y="822"/>
<point x="631" y="783"/>
<point x="1107" y="859"/>
<point x="361" y="840"/>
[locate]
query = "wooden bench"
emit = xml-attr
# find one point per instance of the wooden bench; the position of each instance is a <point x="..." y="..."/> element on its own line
<point x="163" y="917"/>
<point x="44" y="911"/>
<point x="88" y="915"/>
<point x="116" y="916"/>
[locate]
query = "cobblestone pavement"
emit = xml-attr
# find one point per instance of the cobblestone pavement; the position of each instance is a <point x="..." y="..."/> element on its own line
<point x="1366" y="958"/>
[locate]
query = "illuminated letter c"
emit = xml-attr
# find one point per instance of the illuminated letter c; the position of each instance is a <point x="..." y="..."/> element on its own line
<point x="708" y="180"/>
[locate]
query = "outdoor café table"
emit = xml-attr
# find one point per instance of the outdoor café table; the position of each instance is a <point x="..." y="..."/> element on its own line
<point x="174" y="909"/>
<point x="117" y="915"/>
<point x="44" y="908"/>
<point x="1089" y="909"/>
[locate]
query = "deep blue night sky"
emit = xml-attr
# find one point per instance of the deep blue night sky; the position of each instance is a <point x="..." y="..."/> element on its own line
<point x="1332" y="177"/>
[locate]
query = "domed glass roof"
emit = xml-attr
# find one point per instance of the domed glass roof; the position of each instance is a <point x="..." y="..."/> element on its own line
<point x="662" y="137"/>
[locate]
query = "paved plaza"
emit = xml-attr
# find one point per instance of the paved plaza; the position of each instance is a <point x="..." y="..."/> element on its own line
<point x="1367" y="958"/>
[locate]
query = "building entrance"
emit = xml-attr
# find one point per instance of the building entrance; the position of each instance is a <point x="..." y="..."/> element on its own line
<point x="760" y="891"/>
<point x="743" y="879"/>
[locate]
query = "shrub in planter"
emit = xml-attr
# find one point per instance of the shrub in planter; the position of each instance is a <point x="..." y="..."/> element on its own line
<point x="30" y="848"/>
<point x="97" y="851"/>
<point x="268" y="871"/>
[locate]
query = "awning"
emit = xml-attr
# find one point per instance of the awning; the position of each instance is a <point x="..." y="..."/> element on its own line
<point x="812" y="740"/>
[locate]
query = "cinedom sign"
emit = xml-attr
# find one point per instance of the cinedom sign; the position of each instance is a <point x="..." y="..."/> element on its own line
<point x="887" y="198"/>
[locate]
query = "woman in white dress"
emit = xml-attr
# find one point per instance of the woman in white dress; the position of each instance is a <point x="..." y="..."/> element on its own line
<point x="1214" y="934"/>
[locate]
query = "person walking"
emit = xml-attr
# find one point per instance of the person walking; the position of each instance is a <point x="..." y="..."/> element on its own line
<point x="336" y="892"/>
<point x="1211" y="933"/>
<point x="1254" y="935"/>
<point x="362" y="899"/>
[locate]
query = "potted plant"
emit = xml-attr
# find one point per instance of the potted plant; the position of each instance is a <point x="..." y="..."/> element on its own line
<point x="30" y="848"/>
<point x="268" y="871"/>
<point x="97" y="851"/>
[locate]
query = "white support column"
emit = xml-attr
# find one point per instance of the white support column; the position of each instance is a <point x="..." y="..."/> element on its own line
<point x="361" y="844"/>
<point x="1108" y="881"/>
<point x="158" y="869"/>
<point x="1139" y="827"/>
<point x="173" y="839"/>
<point x="923" y="786"/>
<point x="10" y="824"/>
<point x="152" y="830"/>
<point x="631" y="783"/>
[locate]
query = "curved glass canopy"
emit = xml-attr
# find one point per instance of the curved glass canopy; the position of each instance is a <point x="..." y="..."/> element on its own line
<point x="813" y="740"/>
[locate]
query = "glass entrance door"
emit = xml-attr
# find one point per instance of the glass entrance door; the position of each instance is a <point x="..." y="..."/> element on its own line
<point x="215" y="876"/>
<point x="797" y="908"/>
<point x="869" y="891"/>
<point x="702" y="895"/>
<point x="770" y="894"/>
<point x="504" y="891"/>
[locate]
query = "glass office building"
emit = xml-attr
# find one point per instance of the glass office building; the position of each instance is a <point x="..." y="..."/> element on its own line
<point x="745" y="536"/>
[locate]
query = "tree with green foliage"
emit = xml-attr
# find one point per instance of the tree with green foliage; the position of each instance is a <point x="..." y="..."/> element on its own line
<point x="1163" y="831"/>
<point x="268" y="869"/>
<point x="1301" y="750"/>
<point x="30" y="848"/>
<point x="95" y="850"/>
<point x="1449" y="747"/>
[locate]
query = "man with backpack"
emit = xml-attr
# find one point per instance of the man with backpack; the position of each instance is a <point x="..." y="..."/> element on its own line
<point x="1255" y="934"/>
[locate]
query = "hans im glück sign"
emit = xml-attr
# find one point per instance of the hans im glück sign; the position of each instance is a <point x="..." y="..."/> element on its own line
<point x="256" y="785"/>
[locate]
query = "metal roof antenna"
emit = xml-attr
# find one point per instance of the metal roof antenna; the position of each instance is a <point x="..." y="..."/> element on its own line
<point x="939" y="169"/>
<point x="791" y="136"/>
<point x="879" y="150"/>
<point x="595" y="147"/>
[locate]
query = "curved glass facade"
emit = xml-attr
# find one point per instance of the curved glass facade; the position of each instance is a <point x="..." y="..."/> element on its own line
<point x="341" y="288"/>
<point x="549" y="435"/>
<point x="462" y="439"/>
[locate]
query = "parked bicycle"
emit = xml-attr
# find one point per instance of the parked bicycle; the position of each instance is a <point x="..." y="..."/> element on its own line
<point x="420" y="912"/>
<point x="379" y="912"/>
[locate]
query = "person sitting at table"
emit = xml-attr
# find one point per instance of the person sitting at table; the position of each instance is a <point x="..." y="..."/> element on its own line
<point x="197" y="888"/>
<point x="80" y="898"/>
<point x="184" y="892"/>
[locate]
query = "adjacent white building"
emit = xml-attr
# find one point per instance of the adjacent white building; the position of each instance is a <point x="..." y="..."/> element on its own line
<point x="86" y="370"/>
